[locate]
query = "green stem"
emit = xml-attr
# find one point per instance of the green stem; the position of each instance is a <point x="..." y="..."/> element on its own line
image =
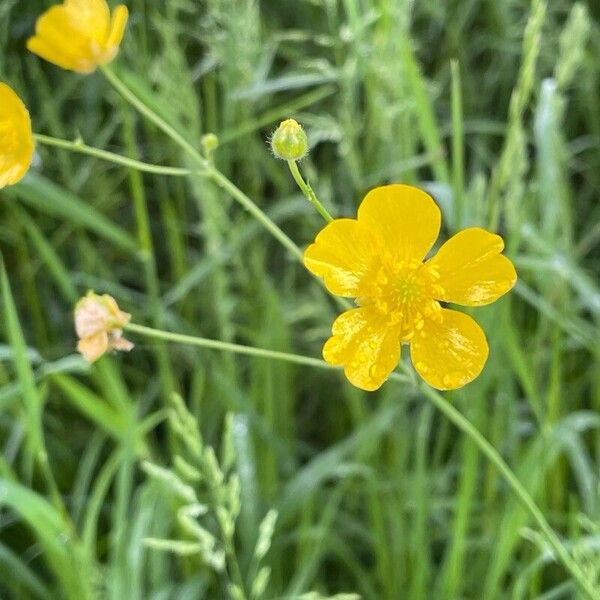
<point x="207" y="168"/>
<point x="235" y="192"/>
<point x="81" y="148"/>
<point x="152" y="116"/>
<point x="516" y="486"/>
<point x="190" y="340"/>
<point x="308" y="191"/>
<point x="144" y="233"/>
<point x="453" y="415"/>
<point x="457" y="144"/>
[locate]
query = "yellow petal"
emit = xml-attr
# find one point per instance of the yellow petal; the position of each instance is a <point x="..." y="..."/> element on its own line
<point x="366" y="346"/>
<point x="16" y="139"/>
<point x="57" y="54"/>
<point x="449" y="353"/>
<point x="472" y="270"/>
<point x="91" y="18"/>
<point x="407" y="219"/>
<point x="344" y="254"/>
<point x="62" y="37"/>
<point x="79" y="35"/>
<point x="117" y="26"/>
<point x="93" y="347"/>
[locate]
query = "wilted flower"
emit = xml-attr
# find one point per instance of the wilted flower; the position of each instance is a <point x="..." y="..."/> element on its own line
<point x="99" y="324"/>
<point x="79" y="35"/>
<point x="378" y="259"/>
<point x="16" y="139"/>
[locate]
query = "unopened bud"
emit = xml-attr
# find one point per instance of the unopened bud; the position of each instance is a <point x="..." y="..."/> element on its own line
<point x="289" y="142"/>
<point x="210" y="142"/>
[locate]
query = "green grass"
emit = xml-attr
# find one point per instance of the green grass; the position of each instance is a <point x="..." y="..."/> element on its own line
<point x="153" y="475"/>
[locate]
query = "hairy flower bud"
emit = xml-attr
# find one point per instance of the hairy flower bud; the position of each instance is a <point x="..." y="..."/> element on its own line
<point x="289" y="142"/>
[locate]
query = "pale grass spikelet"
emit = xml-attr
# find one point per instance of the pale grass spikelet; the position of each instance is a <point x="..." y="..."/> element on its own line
<point x="208" y="493"/>
<point x="171" y="482"/>
<point x="259" y="585"/>
<point x="99" y="325"/>
<point x="265" y="534"/>
<point x="573" y="42"/>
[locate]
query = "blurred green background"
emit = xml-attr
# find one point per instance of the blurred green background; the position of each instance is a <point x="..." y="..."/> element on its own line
<point x="490" y="105"/>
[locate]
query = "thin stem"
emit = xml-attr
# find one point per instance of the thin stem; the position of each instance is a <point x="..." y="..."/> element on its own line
<point x="144" y="233"/>
<point x="234" y="569"/>
<point x="516" y="486"/>
<point x="308" y="191"/>
<point x="457" y="418"/>
<point x="457" y="144"/>
<point x="235" y="192"/>
<point x="81" y="148"/>
<point x="190" y="340"/>
<point x="152" y="116"/>
<point x="207" y="168"/>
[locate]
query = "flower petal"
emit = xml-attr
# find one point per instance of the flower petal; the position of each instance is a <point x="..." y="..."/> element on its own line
<point x="16" y="139"/>
<point x="62" y="38"/>
<point x="472" y="270"/>
<point x="79" y="35"/>
<point x="366" y="346"/>
<point x="56" y="54"/>
<point x="407" y="219"/>
<point x="120" y="343"/>
<point x="451" y="352"/>
<point x="94" y="346"/>
<point x="90" y="17"/>
<point x="117" y="27"/>
<point x="344" y="254"/>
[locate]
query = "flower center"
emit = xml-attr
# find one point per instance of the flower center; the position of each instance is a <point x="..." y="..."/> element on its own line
<point x="405" y="292"/>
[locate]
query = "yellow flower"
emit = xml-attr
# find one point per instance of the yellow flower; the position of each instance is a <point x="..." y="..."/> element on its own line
<point x="79" y="35"/>
<point x="16" y="139"/>
<point x="99" y="324"/>
<point x="379" y="259"/>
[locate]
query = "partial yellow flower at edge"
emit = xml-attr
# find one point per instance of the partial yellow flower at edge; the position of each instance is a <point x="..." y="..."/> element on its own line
<point x="379" y="259"/>
<point x="16" y="139"/>
<point x="99" y="325"/>
<point x="79" y="35"/>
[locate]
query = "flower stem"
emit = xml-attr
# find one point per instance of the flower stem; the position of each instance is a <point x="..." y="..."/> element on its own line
<point x="207" y="168"/>
<point x="81" y="148"/>
<point x="191" y="340"/>
<point x="308" y="191"/>
<point x="515" y="485"/>
<point x="152" y="116"/>
<point x="225" y="184"/>
<point x="451" y="413"/>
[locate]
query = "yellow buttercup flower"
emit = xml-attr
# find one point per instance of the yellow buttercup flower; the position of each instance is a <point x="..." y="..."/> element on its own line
<point x="16" y="139"/>
<point x="379" y="259"/>
<point x="99" y="325"/>
<point x="79" y="35"/>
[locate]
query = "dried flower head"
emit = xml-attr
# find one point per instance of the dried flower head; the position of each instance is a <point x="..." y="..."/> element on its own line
<point x="379" y="259"/>
<point x="79" y="35"/>
<point x="16" y="139"/>
<point x="99" y="325"/>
